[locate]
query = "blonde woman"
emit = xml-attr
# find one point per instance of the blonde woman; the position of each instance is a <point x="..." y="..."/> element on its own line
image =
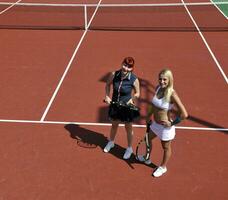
<point x="163" y="126"/>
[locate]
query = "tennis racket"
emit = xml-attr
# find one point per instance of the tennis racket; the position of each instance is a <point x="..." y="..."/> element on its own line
<point x="143" y="147"/>
<point x="123" y="111"/>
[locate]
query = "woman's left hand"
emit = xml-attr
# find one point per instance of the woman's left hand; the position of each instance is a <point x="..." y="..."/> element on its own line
<point x="131" y="102"/>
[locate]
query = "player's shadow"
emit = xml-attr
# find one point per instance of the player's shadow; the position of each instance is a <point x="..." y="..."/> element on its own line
<point x="95" y="139"/>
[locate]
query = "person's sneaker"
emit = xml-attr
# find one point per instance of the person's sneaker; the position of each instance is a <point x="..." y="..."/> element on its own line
<point x="159" y="171"/>
<point x="128" y="153"/>
<point x="142" y="159"/>
<point x="109" y="146"/>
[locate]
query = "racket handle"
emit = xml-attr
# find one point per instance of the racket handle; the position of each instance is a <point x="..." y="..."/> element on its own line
<point x="148" y="126"/>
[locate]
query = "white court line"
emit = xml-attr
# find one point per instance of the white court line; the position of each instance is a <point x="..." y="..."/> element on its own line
<point x="112" y="5"/>
<point x="104" y="124"/>
<point x="219" y="8"/>
<point x="9" y="7"/>
<point x="205" y="42"/>
<point x="68" y="66"/>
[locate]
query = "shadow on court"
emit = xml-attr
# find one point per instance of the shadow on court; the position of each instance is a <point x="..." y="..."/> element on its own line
<point x="147" y="92"/>
<point x="89" y="139"/>
<point x="206" y="123"/>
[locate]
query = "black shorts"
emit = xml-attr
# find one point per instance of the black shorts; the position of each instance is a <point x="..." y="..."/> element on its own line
<point x="123" y="112"/>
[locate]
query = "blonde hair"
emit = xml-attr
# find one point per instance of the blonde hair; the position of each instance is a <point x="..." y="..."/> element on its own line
<point x="169" y="90"/>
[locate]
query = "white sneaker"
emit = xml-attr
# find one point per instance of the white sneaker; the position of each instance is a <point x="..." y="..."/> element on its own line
<point x="109" y="146"/>
<point x="159" y="171"/>
<point x="128" y="153"/>
<point x="142" y="159"/>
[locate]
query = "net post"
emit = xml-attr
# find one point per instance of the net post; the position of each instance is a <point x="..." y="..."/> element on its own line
<point x="85" y="16"/>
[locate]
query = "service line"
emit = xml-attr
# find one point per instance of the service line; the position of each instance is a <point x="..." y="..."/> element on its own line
<point x="106" y="124"/>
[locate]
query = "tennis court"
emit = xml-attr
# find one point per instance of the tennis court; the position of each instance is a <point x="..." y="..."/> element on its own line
<point x="55" y="57"/>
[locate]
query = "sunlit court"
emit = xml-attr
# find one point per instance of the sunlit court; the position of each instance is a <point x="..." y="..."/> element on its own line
<point x="56" y="57"/>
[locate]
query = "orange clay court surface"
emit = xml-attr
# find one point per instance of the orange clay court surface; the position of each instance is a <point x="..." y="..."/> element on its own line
<point x="52" y="81"/>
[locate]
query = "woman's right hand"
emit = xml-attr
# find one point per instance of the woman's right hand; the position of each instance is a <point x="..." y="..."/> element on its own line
<point x="107" y="100"/>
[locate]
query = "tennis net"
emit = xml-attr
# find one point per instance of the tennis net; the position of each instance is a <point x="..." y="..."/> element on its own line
<point x="206" y="16"/>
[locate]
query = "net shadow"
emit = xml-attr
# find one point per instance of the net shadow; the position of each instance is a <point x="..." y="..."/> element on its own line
<point x="206" y="123"/>
<point x="148" y="90"/>
<point x="161" y="29"/>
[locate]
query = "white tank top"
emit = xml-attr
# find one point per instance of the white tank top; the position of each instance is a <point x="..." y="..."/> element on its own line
<point x="161" y="103"/>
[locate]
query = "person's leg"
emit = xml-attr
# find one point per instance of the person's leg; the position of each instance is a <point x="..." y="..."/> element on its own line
<point x="129" y="131"/>
<point x="113" y="132"/>
<point x="166" y="145"/>
<point x="151" y="136"/>
<point x="167" y="151"/>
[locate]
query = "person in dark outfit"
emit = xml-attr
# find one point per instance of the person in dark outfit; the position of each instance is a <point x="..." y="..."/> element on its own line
<point x="126" y="89"/>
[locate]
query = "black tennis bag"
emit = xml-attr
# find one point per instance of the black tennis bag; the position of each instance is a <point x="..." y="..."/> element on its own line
<point x="123" y="112"/>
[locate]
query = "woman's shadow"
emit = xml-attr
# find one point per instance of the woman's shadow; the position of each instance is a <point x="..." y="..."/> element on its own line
<point x="90" y="139"/>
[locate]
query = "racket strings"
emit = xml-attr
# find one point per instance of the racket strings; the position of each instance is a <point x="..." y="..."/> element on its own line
<point x="143" y="151"/>
<point x="84" y="144"/>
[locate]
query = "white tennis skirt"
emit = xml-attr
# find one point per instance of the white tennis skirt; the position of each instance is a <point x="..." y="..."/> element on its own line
<point x="164" y="133"/>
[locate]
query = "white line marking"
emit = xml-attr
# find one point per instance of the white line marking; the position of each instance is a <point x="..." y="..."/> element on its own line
<point x="70" y="62"/>
<point x="105" y="124"/>
<point x="85" y="16"/>
<point x="9" y="7"/>
<point x="68" y="67"/>
<point x="205" y="42"/>
<point x="112" y="5"/>
<point x="215" y="4"/>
